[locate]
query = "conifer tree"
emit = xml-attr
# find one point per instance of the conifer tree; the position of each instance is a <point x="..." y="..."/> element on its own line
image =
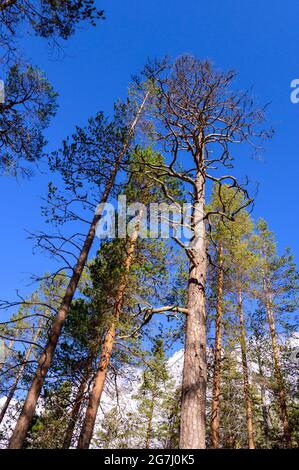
<point x="198" y="119"/>
<point x="232" y="239"/>
<point x="47" y="429"/>
<point x="143" y="190"/>
<point x="225" y="239"/>
<point x="72" y="168"/>
<point x="29" y="103"/>
<point x="243" y="262"/>
<point x="29" y="99"/>
<point x="278" y="282"/>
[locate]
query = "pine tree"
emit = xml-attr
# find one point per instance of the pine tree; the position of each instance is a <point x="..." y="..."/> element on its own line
<point x="138" y="188"/>
<point x="195" y="111"/>
<point x="243" y="264"/>
<point x="121" y="147"/>
<point x="229" y="239"/>
<point x="278" y="294"/>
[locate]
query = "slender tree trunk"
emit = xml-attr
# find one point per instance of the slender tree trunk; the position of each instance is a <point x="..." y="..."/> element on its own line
<point x="217" y="355"/>
<point x="277" y="369"/>
<point x="77" y="403"/>
<point x="80" y="393"/>
<point x="193" y="410"/>
<point x="21" y="371"/>
<point x="149" y="430"/>
<point x="107" y="347"/>
<point x="265" y="413"/>
<point x="248" y="401"/>
<point x="45" y="361"/>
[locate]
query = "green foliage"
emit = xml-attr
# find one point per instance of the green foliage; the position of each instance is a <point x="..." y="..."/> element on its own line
<point x="48" y="428"/>
<point x="30" y="102"/>
<point x="47" y="18"/>
<point x="117" y="431"/>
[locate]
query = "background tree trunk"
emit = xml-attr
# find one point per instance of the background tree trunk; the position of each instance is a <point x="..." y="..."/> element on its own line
<point x="265" y="413"/>
<point x="21" y="371"/>
<point x="248" y="401"/>
<point x="149" y="430"/>
<point x="215" y="422"/>
<point x="277" y="369"/>
<point x="77" y="404"/>
<point x="10" y="346"/>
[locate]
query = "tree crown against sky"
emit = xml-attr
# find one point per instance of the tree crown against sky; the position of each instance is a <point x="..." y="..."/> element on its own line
<point x="29" y="98"/>
<point x="203" y="136"/>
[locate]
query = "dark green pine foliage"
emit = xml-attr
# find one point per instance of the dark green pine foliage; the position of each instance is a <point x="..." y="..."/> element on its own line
<point x="85" y="164"/>
<point x="29" y="104"/>
<point x="47" y="18"/>
<point x="47" y="429"/>
<point x="30" y="101"/>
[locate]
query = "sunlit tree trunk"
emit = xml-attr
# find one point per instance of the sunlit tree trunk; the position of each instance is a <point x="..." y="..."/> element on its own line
<point x="248" y="401"/>
<point x="46" y="358"/>
<point x="79" y="398"/>
<point x="276" y="360"/>
<point x="107" y="347"/>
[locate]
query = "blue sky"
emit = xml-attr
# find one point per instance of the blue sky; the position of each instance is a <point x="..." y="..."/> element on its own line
<point x="257" y="38"/>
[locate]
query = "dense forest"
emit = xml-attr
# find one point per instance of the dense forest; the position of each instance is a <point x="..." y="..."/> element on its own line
<point x="170" y="320"/>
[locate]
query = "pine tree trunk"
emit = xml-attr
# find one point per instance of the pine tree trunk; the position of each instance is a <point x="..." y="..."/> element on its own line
<point x="21" y="371"/>
<point x="248" y="401"/>
<point x="193" y="410"/>
<point x="265" y="413"/>
<point x="149" y="430"/>
<point x="277" y="368"/>
<point x="46" y="358"/>
<point x="215" y="422"/>
<point x="77" y="404"/>
<point x="107" y="348"/>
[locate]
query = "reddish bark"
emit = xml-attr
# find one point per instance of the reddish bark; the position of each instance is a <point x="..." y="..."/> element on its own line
<point x="78" y="403"/>
<point x="23" y="423"/>
<point x="277" y="369"/>
<point x="107" y="348"/>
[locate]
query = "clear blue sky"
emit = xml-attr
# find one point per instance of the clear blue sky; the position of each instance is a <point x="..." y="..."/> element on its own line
<point x="257" y="38"/>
